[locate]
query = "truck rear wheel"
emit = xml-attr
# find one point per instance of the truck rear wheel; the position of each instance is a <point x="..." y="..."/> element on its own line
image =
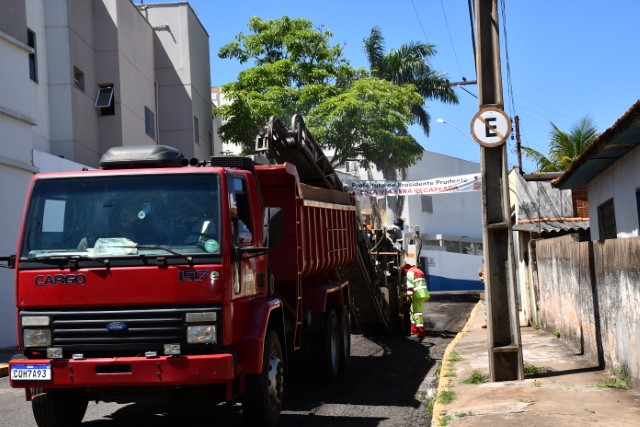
<point x="263" y="398"/>
<point x="345" y="335"/>
<point x="330" y="347"/>
<point x="58" y="408"/>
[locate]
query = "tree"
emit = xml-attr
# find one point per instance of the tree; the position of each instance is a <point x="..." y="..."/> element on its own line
<point x="368" y="122"/>
<point x="295" y="68"/>
<point x="564" y="147"/>
<point x="408" y="65"/>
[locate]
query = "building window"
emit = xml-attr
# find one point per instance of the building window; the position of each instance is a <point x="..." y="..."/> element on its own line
<point x="105" y="100"/>
<point x="196" y="130"/>
<point x="427" y="203"/>
<point x="149" y="123"/>
<point x="33" y="64"/>
<point x="78" y="79"/>
<point x="607" y="220"/>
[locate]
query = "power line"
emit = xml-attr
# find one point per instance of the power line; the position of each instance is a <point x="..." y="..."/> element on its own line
<point x="450" y="38"/>
<point x="415" y="11"/>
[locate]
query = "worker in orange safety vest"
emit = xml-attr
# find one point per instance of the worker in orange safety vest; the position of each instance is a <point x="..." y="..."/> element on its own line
<point x="417" y="294"/>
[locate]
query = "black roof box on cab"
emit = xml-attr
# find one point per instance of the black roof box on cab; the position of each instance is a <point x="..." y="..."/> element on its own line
<point x="141" y="156"/>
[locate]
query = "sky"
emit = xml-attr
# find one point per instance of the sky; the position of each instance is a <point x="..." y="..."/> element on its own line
<point x="561" y="60"/>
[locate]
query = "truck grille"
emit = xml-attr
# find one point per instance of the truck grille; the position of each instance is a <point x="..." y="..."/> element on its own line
<point x="132" y="332"/>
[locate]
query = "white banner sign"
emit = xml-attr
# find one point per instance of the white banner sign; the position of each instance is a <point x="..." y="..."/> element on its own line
<point x="450" y="184"/>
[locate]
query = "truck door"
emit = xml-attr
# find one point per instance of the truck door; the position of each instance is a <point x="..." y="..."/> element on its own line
<point x="242" y="226"/>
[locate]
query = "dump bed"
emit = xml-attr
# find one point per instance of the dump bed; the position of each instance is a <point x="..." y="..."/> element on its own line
<point x="375" y="301"/>
<point x="319" y="225"/>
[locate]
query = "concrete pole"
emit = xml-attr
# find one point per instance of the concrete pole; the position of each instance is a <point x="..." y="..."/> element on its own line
<point x="503" y="326"/>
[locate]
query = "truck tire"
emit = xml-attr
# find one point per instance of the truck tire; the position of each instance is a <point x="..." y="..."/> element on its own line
<point x="330" y="354"/>
<point x="345" y="338"/>
<point x="58" y="408"/>
<point x="263" y="398"/>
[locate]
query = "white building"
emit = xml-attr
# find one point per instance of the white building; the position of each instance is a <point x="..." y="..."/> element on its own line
<point x="449" y="224"/>
<point x="78" y="77"/>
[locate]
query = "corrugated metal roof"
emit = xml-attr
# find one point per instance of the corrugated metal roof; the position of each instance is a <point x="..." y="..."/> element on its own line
<point x="550" y="226"/>
<point x="605" y="150"/>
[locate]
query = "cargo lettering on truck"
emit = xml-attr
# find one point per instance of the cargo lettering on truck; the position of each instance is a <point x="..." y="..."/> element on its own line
<point x="60" y="279"/>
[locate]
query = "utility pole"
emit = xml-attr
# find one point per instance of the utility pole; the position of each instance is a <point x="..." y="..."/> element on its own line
<point x="491" y="127"/>
<point x="518" y="144"/>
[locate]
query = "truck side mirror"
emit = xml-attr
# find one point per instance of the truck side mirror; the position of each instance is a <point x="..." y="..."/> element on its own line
<point x="10" y="261"/>
<point x="273" y="223"/>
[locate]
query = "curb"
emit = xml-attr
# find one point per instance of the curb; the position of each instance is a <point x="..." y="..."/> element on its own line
<point x="443" y="382"/>
<point x="4" y="370"/>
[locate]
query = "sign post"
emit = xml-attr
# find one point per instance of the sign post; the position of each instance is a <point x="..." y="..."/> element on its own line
<point x="491" y="127"/>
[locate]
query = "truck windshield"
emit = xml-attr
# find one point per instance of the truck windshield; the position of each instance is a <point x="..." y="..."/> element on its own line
<point x="107" y="216"/>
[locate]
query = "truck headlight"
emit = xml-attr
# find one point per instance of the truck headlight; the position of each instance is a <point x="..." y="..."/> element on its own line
<point x="36" y="337"/>
<point x="201" y="334"/>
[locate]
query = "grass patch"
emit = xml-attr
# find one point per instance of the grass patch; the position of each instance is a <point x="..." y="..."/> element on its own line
<point x="530" y="369"/>
<point x="556" y="333"/>
<point x="476" y="377"/>
<point x="618" y="378"/>
<point x="428" y="407"/>
<point x="446" y="396"/>
<point x="438" y="368"/>
<point x="536" y="383"/>
<point x="454" y="356"/>
<point x="464" y="414"/>
<point x="536" y="327"/>
<point x="526" y="401"/>
<point x="451" y="373"/>
<point x="444" y="421"/>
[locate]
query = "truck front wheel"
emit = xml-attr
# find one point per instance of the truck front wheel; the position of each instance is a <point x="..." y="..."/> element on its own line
<point x="58" y="408"/>
<point x="263" y="398"/>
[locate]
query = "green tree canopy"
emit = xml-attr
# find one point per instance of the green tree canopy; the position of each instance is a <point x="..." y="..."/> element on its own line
<point x="295" y="68"/>
<point x="564" y="147"/>
<point x="368" y="122"/>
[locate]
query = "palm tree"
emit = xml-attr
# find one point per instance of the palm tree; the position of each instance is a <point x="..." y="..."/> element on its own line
<point x="564" y="147"/>
<point x="409" y="64"/>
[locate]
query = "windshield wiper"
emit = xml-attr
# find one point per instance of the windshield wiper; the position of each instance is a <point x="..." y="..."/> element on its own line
<point x="71" y="258"/>
<point x="163" y="260"/>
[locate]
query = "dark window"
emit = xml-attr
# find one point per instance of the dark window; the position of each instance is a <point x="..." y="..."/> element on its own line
<point x="33" y="64"/>
<point x="149" y="123"/>
<point x="607" y="220"/>
<point x="78" y="79"/>
<point x="196" y="130"/>
<point x="427" y="204"/>
<point x="105" y="100"/>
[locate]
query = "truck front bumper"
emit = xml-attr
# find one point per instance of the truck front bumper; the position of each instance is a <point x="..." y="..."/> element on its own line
<point x="130" y="371"/>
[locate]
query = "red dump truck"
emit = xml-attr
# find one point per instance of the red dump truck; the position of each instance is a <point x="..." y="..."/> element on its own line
<point x="157" y="276"/>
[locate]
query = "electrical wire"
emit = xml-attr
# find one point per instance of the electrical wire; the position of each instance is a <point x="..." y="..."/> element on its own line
<point x="455" y="55"/>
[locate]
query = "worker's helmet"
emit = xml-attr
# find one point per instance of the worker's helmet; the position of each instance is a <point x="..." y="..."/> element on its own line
<point x="399" y="222"/>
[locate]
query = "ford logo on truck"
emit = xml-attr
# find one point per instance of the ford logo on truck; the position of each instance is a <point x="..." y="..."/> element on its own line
<point x="60" y="279"/>
<point x="117" y="326"/>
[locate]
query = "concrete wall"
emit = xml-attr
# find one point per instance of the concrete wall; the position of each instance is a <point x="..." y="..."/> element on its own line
<point x="620" y="182"/>
<point x="592" y="301"/>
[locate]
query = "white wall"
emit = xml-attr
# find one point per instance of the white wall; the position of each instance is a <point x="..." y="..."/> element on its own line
<point x="455" y="214"/>
<point x="620" y="181"/>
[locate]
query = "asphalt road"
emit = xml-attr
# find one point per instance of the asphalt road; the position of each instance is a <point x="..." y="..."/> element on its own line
<point x="387" y="384"/>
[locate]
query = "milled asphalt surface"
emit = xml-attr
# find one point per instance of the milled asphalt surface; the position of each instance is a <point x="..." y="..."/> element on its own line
<point x="566" y="391"/>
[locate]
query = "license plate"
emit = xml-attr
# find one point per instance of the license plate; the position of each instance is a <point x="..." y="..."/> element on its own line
<point x="31" y="372"/>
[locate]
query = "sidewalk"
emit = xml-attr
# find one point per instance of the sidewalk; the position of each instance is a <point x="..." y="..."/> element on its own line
<point x="565" y="392"/>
